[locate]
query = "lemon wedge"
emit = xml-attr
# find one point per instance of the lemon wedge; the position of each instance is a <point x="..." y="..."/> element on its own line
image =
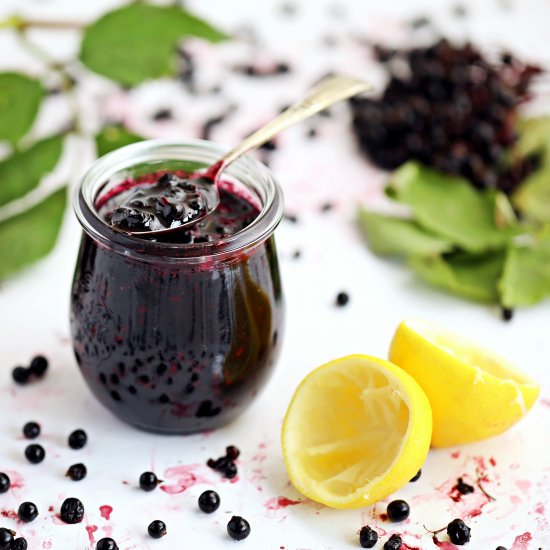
<point x="474" y="393"/>
<point x="356" y="430"/>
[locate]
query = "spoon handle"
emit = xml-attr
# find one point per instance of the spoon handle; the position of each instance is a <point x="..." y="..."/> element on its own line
<point x="328" y="91"/>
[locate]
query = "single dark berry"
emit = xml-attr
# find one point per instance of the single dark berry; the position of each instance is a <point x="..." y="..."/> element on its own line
<point x="209" y="501"/>
<point x="106" y="544"/>
<point x="148" y="481"/>
<point x="157" y="529"/>
<point x="232" y="452"/>
<point x="342" y="299"/>
<point x="39" y="366"/>
<point x="35" y="453"/>
<point x="19" y="544"/>
<point x="458" y="531"/>
<point x="27" y="512"/>
<point x="6" y="538"/>
<point x="5" y="482"/>
<point x="20" y="375"/>
<point x="72" y="511"/>
<point x="77" y="472"/>
<point x="238" y="528"/>
<point x="31" y="430"/>
<point x="367" y="537"/>
<point x="507" y="313"/>
<point x="78" y="439"/>
<point x="501" y="548"/>
<point x="417" y="476"/>
<point x="463" y="488"/>
<point x="398" y="510"/>
<point x="393" y="543"/>
<point x="231" y="471"/>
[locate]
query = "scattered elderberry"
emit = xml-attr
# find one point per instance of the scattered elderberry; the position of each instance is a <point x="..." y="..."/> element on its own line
<point x="393" y="543"/>
<point x="77" y="439"/>
<point x="35" y="453"/>
<point x="77" y="472"/>
<point x="157" y="529"/>
<point x="238" y="528"/>
<point x="38" y="366"/>
<point x="398" y="510"/>
<point x="19" y="544"/>
<point x="27" y="512"/>
<point x="5" y="482"/>
<point x="507" y="313"/>
<point x="148" y="481"/>
<point x="417" y="476"/>
<point x="106" y="544"/>
<point x="20" y="375"/>
<point x="463" y="488"/>
<point x="367" y="537"/>
<point x="72" y="511"/>
<point x="342" y="299"/>
<point x="6" y="538"/>
<point x="501" y="548"/>
<point x="31" y="430"/>
<point x="225" y="464"/>
<point x="232" y="452"/>
<point x="209" y="501"/>
<point x="459" y="532"/>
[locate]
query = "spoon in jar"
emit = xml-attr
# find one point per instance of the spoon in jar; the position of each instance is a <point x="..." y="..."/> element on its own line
<point x="200" y="195"/>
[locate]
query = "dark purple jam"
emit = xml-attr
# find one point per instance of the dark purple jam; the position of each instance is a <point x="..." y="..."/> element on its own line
<point x="172" y="345"/>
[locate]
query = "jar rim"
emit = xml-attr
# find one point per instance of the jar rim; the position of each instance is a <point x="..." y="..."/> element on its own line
<point x="208" y="152"/>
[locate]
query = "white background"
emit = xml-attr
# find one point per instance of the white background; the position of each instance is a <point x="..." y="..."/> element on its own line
<point x="34" y="306"/>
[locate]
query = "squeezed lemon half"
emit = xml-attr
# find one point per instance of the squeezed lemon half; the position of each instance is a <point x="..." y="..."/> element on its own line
<point x="356" y="430"/>
<point x="474" y="394"/>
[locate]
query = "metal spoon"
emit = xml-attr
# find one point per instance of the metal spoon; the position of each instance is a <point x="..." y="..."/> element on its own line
<point x="328" y="91"/>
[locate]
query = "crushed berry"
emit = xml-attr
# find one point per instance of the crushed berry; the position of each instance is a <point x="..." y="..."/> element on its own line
<point x="77" y="472"/>
<point x="417" y="476"/>
<point x="393" y="543"/>
<point x="106" y="543"/>
<point x="157" y="529"/>
<point x="238" y="528"/>
<point x="39" y="366"/>
<point x="77" y="439"/>
<point x="342" y="298"/>
<point x="458" y="531"/>
<point x="367" y="537"/>
<point x="398" y="510"/>
<point x="6" y="538"/>
<point x="19" y="544"/>
<point x="5" y="483"/>
<point x="463" y="488"/>
<point x="27" y="512"/>
<point x="35" y="453"/>
<point x="225" y="464"/>
<point x="31" y="430"/>
<point x="209" y="501"/>
<point x="72" y="511"/>
<point x="20" y="375"/>
<point x="148" y="481"/>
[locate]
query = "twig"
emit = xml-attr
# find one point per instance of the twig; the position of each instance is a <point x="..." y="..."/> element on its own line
<point x="478" y="482"/>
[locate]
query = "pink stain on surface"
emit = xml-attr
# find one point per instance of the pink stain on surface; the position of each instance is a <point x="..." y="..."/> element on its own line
<point x="492" y="461"/>
<point x="545" y="403"/>
<point x="456" y="454"/>
<point x="16" y="479"/>
<point x="521" y="542"/>
<point x="523" y="485"/>
<point x="91" y="529"/>
<point x="10" y="514"/>
<point x="278" y="503"/>
<point x="182" y="478"/>
<point x="106" y="511"/>
<point x="108" y="530"/>
<point x="47" y="544"/>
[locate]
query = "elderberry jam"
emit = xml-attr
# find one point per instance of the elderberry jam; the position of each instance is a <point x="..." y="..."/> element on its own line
<point x="177" y="333"/>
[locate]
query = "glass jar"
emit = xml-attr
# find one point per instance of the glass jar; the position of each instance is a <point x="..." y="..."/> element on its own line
<point x="176" y="338"/>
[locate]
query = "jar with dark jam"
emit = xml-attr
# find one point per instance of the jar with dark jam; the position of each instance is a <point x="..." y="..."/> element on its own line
<point x="177" y="333"/>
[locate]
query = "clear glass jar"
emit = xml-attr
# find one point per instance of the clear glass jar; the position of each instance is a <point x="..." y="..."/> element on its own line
<point x="176" y="338"/>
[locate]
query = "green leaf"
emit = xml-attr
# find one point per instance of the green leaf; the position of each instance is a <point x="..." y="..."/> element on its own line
<point x="390" y="235"/>
<point x="138" y="42"/>
<point x="450" y="207"/>
<point x="29" y="236"/>
<point x="112" y="137"/>
<point x="526" y="276"/>
<point x="532" y="198"/>
<point x="466" y="275"/>
<point x="534" y="135"/>
<point x="20" y="98"/>
<point x="23" y="171"/>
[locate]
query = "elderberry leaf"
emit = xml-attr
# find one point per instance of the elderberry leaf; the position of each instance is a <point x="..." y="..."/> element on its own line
<point x="112" y="137"/>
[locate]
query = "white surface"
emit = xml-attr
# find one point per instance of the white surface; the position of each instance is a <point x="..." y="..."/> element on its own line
<point x="34" y="306"/>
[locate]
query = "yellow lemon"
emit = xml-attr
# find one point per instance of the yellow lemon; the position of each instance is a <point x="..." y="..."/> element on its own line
<point x="474" y="393"/>
<point x="357" y="429"/>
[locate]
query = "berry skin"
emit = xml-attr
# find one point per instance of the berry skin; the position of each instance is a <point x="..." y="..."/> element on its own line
<point x="20" y="375"/>
<point x="106" y="544"/>
<point x="209" y="502"/>
<point x="19" y="544"/>
<point x="31" y="430"/>
<point x="27" y="512"/>
<point x="78" y="439"/>
<point x="367" y="537"/>
<point x="39" y="366"/>
<point x="72" y="511"/>
<point x="232" y="452"/>
<point x="6" y="538"/>
<point x="5" y="482"/>
<point x="417" y="476"/>
<point x="148" y="481"/>
<point x="342" y="299"/>
<point x="77" y="472"/>
<point x="157" y="529"/>
<point x="35" y="453"/>
<point x="398" y="510"/>
<point x="238" y="528"/>
<point x="459" y="532"/>
<point x="393" y="543"/>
